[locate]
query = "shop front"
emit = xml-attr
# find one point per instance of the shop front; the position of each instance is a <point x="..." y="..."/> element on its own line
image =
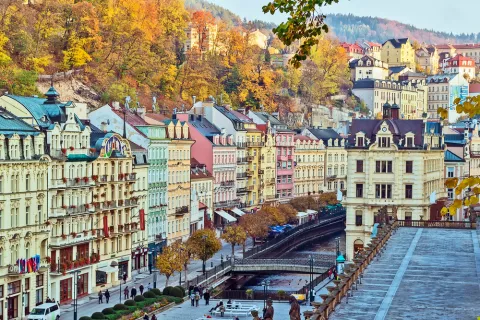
<point x="123" y="267"/>
<point x="14" y="299"/>
<point x="154" y="249"/>
<point x="139" y="258"/>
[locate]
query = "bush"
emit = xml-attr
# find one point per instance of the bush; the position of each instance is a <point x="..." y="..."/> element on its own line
<point x="156" y="292"/>
<point x="173" y="299"/>
<point x="139" y="298"/>
<point x="130" y="303"/>
<point x="98" y="315"/>
<point x="166" y="291"/>
<point x="176" y="292"/>
<point x="183" y="290"/>
<point x="108" y="311"/>
<point x="85" y="318"/>
<point x="120" y="306"/>
<point x="149" y="294"/>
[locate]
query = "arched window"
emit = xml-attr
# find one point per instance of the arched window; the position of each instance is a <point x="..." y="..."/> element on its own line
<point x="27" y="250"/>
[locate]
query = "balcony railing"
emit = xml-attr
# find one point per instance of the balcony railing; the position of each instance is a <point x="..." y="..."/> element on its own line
<point x="57" y="212"/>
<point x="58" y="184"/>
<point x="250" y="158"/>
<point x="249" y="173"/>
<point x="226" y="204"/>
<point x="102" y="179"/>
<point x="242" y="160"/>
<point x="241" y="190"/>
<point x="255" y="144"/>
<point x="250" y="188"/>
<point x="229" y="183"/>
<point x="64" y="266"/>
<point x="271" y="181"/>
<point x="261" y="171"/>
<point x="130" y="176"/>
<point x="241" y="175"/>
<point x="180" y="211"/>
<point x="241" y="145"/>
<point x="331" y="176"/>
<point x="74" y="209"/>
<point x="78" y="182"/>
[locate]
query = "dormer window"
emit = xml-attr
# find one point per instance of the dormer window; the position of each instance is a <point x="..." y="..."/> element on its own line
<point x="360" y="142"/>
<point x="384" y="142"/>
<point x="409" y="142"/>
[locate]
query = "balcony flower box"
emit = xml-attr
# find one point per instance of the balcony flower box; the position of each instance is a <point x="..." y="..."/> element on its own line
<point x="120" y="202"/>
<point x="95" y="178"/>
<point x="73" y="206"/>
<point x="77" y="180"/>
<point x="85" y="233"/>
<point x="74" y="234"/>
<point x="47" y="223"/>
<point x="64" y="151"/>
<point x="71" y="148"/>
<point x="64" y="207"/>
<point x="64" y="236"/>
<point x="48" y="259"/>
<point x="64" y="180"/>
<point x="120" y="176"/>
<point x="85" y="179"/>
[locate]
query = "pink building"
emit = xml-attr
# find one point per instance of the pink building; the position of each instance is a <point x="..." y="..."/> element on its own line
<point x="217" y="150"/>
<point x="285" y="147"/>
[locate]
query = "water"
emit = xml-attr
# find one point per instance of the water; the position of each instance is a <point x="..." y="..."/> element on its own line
<point x="292" y="281"/>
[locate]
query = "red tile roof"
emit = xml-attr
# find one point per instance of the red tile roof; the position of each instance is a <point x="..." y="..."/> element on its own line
<point x="198" y="170"/>
<point x="132" y="119"/>
<point x="155" y="116"/>
<point x="301" y="138"/>
<point x="202" y="205"/>
<point x="262" y="127"/>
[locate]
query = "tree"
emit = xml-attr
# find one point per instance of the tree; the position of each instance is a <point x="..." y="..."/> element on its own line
<point x="168" y="261"/>
<point x="305" y="23"/>
<point x="235" y="235"/>
<point x="204" y="244"/>
<point x="288" y="212"/>
<point x="327" y="198"/>
<point x="201" y="22"/>
<point x="303" y="203"/>
<point x="185" y="254"/>
<point x="271" y="215"/>
<point x="254" y="225"/>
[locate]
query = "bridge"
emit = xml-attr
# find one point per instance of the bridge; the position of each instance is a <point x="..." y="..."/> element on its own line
<point x="284" y="265"/>
<point x="316" y="229"/>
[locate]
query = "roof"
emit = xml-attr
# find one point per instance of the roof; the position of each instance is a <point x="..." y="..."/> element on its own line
<point x="155" y="116"/>
<point x="439" y="78"/>
<point x="202" y="205"/>
<point x="451" y="157"/>
<point x="397" y="43"/>
<point x="132" y="118"/>
<point x="397" y="69"/>
<point x="205" y="127"/>
<point x="265" y="116"/>
<point x="11" y="124"/>
<point x="301" y="138"/>
<point x="474" y="88"/>
<point x="136" y="147"/>
<point x="467" y="46"/>
<point x="198" y="170"/>
<point x="233" y="115"/>
<point x="324" y="134"/>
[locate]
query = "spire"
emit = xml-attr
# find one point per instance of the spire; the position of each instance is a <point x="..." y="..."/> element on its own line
<point x="52" y="94"/>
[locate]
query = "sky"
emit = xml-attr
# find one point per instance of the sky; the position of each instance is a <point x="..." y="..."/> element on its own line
<point x="439" y="15"/>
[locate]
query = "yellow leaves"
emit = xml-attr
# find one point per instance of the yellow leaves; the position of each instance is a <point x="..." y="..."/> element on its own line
<point x="457" y="101"/>
<point x="473" y="200"/>
<point x="444" y="211"/>
<point x="234" y="235"/>
<point x="443" y="113"/>
<point x="451" y="183"/>
<point x="38" y="64"/>
<point x="168" y="261"/>
<point x="4" y="57"/>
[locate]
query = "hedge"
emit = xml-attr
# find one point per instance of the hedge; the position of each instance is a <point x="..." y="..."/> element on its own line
<point x="129" y="303"/>
<point x="149" y="294"/>
<point x="120" y="306"/>
<point x="98" y="315"/>
<point x="156" y="291"/>
<point x="138" y="298"/>
<point x="176" y="292"/>
<point x="108" y="311"/>
<point x="183" y="290"/>
<point x="85" y="318"/>
<point x="166" y="291"/>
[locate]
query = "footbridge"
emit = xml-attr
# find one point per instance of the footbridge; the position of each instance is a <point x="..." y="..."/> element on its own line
<point x="319" y="264"/>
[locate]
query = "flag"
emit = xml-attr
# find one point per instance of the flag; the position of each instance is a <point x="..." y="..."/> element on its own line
<point x="142" y="219"/>
<point x="433" y="197"/>
<point x="105" y="226"/>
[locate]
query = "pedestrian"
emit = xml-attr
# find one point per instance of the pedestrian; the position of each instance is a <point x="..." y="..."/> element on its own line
<point x="107" y="295"/>
<point x="268" y="311"/>
<point x="141" y="289"/>
<point x="124" y="278"/>
<point x="192" y="299"/>
<point x="197" y="298"/>
<point x="216" y="307"/>
<point x="125" y="293"/>
<point x="206" y="296"/>
<point x="53" y="300"/>
<point x="48" y="300"/>
<point x="133" y="293"/>
<point x="201" y="291"/>
<point x="154" y="317"/>
<point x="100" y="297"/>
<point x="145" y="317"/>
<point x="149" y="287"/>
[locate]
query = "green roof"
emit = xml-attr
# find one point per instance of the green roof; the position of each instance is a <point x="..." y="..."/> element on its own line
<point x="80" y="157"/>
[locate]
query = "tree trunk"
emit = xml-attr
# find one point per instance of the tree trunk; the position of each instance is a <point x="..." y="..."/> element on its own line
<point x="244" y="245"/>
<point x="186" y="272"/>
<point x="166" y="281"/>
<point x="233" y="251"/>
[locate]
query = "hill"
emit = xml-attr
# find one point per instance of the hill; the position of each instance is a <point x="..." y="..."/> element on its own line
<point x="353" y="28"/>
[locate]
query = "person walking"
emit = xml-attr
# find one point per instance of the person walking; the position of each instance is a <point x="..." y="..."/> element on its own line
<point x="125" y="293"/>
<point x="154" y="317"/>
<point x="124" y="278"/>
<point x="149" y="287"/>
<point x="192" y="299"/>
<point x="141" y="289"/>
<point x="206" y="296"/>
<point x="197" y="298"/>
<point x="100" y="297"/>
<point x="133" y="293"/>
<point x="107" y="295"/>
<point x="145" y="317"/>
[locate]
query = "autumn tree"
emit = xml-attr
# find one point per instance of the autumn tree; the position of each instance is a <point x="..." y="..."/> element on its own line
<point x="271" y="215"/>
<point x="327" y="198"/>
<point x="288" y="212"/>
<point x="234" y="235"/>
<point x="168" y="262"/>
<point x="204" y="244"/>
<point x="254" y="225"/>
<point x="304" y="203"/>
<point x="185" y="254"/>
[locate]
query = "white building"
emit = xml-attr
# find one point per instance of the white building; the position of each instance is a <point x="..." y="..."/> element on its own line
<point x="367" y="67"/>
<point x="443" y="89"/>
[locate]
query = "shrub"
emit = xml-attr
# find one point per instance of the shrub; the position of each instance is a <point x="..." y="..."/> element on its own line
<point x="183" y="290"/>
<point x="175" y="292"/>
<point x="85" y="318"/>
<point x="156" y="292"/>
<point x="139" y="298"/>
<point x="130" y="303"/>
<point x="120" y="306"/>
<point x="171" y="299"/>
<point x="166" y="291"/>
<point x="149" y="294"/>
<point x="98" y="315"/>
<point x="108" y="311"/>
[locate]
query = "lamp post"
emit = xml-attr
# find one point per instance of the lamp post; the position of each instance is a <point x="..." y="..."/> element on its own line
<point x="204" y="253"/>
<point x="75" y="293"/>
<point x="265" y="284"/>
<point x="114" y="264"/>
<point x="337" y="252"/>
<point x="311" y="260"/>
<point x="150" y="262"/>
<point x="155" y="278"/>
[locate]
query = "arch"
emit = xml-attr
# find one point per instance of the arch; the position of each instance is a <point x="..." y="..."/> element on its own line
<point x="357" y="246"/>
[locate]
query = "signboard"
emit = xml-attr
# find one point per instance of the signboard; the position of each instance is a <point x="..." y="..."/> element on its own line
<point x="112" y="144"/>
<point x="457" y="92"/>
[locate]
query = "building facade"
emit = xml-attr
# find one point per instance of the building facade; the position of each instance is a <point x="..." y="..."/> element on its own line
<point x="398" y="52"/>
<point x="367" y="67"/>
<point x="427" y="59"/>
<point x="443" y="89"/>
<point x="465" y="66"/>
<point x="202" y="184"/>
<point x="267" y="172"/>
<point x="309" y="169"/>
<point x="353" y="50"/>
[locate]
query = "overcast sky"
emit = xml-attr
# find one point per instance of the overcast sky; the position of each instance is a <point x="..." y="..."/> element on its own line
<point x="440" y="15"/>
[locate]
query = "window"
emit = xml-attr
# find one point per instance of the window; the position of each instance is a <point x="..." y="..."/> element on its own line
<point x="383" y="166"/>
<point x="408" y="216"/>
<point x="359" y="165"/>
<point x="359" y="190"/>
<point x="358" y="218"/>
<point x="409" y="166"/>
<point x="383" y="191"/>
<point x="408" y="191"/>
<point x="27" y="283"/>
<point x="384" y="142"/>
<point x="450" y="193"/>
<point x="450" y="172"/>
<point x="14" y="287"/>
<point x="360" y="142"/>
<point x="409" y="142"/>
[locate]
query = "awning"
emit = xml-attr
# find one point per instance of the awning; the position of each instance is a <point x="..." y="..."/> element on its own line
<point x="107" y="269"/>
<point x="238" y="211"/>
<point x="225" y="215"/>
<point x="301" y="214"/>
<point x="311" y="211"/>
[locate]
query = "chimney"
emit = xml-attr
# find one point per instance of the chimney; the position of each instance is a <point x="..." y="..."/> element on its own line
<point x="116" y="105"/>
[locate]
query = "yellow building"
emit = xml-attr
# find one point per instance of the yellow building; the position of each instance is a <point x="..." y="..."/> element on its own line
<point x="254" y="147"/>
<point x="389" y="165"/>
<point x="178" y="215"/>
<point x="427" y="59"/>
<point x="309" y="171"/>
<point x="267" y="166"/>
<point x="398" y="52"/>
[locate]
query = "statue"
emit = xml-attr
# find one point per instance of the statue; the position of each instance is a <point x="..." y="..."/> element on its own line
<point x="268" y="312"/>
<point x="294" y="309"/>
<point x="254" y="314"/>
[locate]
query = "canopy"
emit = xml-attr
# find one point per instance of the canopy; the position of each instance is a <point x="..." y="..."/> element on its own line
<point x="225" y="215"/>
<point x="309" y="211"/>
<point x="301" y="214"/>
<point x="238" y="211"/>
<point x="107" y="269"/>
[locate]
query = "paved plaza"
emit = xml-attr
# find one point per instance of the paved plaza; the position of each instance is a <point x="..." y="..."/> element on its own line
<point x="423" y="274"/>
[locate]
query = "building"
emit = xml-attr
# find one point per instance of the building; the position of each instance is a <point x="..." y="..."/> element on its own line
<point x="257" y="38"/>
<point x="267" y="170"/>
<point x="202" y="41"/>
<point x="354" y="51"/>
<point x="202" y="184"/>
<point x="427" y="59"/>
<point x="411" y="97"/>
<point x="372" y="49"/>
<point x="285" y="154"/>
<point x="178" y="214"/>
<point x="309" y="169"/>
<point x="464" y="66"/>
<point x="255" y="144"/>
<point x="335" y="158"/>
<point x="394" y="73"/>
<point x="24" y="224"/>
<point x="398" y="52"/>
<point x="368" y="67"/>
<point x="469" y="50"/>
<point x="443" y="89"/>
<point x="389" y="165"/>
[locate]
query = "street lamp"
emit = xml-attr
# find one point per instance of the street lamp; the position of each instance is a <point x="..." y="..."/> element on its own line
<point x="311" y="260"/>
<point x="75" y="298"/>
<point x="114" y="264"/>
<point x="265" y="284"/>
<point x="204" y="237"/>
<point x="155" y="278"/>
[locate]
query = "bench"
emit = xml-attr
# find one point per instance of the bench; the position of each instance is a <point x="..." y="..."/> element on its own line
<point x="233" y="312"/>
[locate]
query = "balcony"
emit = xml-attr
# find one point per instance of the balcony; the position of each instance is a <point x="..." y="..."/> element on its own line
<point x="78" y="182"/>
<point x="226" y="204"/>
<point x="241" y="160"/>
<point x="250" y="188"/>
<point x="103" y="179"/>
<point x="251" y="144"/>
<point x="241" y="190"/>
<point x="180" y="211"/>
<point x="130" y="176"/>
<point x="241" y="175"/>
<point x="250" y="158"/>
<point x="229" y="183"/>
<point x="58" y="184"/>
<point x="270" y="181"/>
<point x="73" y="209"/>
<point x="249" y="173"/>
<point x="261" y="171"/>
<point x="57" y="267"/>
<point x="57" y="212"/>
<point x="331" y="176"/>
<point x="241" y="145"/>
<point x="66" y="240"/>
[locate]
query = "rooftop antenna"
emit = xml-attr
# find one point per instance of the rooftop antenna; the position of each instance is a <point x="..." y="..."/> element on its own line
<point x="127" y="101"/>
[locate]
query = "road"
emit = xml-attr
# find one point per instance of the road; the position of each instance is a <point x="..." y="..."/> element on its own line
<point x="89" y="304"/>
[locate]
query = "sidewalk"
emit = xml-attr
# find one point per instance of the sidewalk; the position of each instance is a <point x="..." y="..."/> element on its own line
<point x="89" y="304"/>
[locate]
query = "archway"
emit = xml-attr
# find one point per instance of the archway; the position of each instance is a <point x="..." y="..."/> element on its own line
<point x="357" y="246"/>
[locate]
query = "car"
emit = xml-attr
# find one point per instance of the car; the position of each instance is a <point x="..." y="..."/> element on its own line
<point x="45" y="311"/>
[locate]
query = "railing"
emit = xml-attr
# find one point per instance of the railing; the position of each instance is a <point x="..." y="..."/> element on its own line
<point x="261" y="171"/>
<point x="57" y="212"/>
<point x="78" y="182"/>
<point x="181" y="210"/>
<point x="241" y="160"/>
<point x="58" y="183"/>
<point x="241" y="190"/>
<point x="204" y="279"/>
<point x="255" y="144"/>
<point x="250" y="188"/>
<point x="249" y="173"/>
<point x="250" y="158"/>
<point x="130" y="176"/>
<point x="437" y="224"/>
<point x="229" y="183"/>
<point x="226" y="204"/>
<point x="64" y="266"/>
<point x="241" y="175"/>
<point x="286" y="234"/>
<point x="325" y="261"/>
<point x="331" y="176"/>
<point x="103" y="179"/>
<point x="241" y="145"/>
<point x="79" y="209"/>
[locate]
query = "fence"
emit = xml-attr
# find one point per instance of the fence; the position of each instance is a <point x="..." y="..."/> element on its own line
<point x="218" y="270"/>
<point x="326" y="262"/>
<point x="283" y="236"/>
<point x="437" y="224"/>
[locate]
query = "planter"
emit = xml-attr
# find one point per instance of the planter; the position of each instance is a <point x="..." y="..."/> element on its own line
<point x="72" y="148"/>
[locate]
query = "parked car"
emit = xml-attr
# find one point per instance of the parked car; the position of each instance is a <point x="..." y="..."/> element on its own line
<point x="46" y="311"/>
